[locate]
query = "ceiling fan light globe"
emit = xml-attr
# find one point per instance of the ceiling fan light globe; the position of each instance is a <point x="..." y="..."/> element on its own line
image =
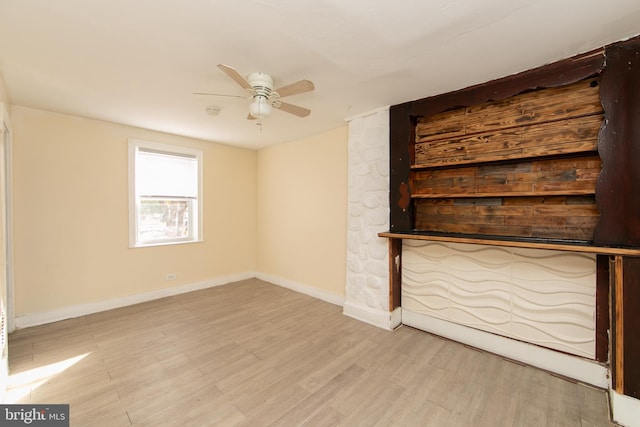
<point x="260" y="108"/>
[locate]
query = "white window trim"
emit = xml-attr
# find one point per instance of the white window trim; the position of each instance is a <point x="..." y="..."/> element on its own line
<point x="169" y="148"/>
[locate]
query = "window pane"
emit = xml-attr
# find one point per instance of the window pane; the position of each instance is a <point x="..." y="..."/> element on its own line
<point x="165" y="184"/>
<point x="164" y="219"/>
<point x="163" y="174"/>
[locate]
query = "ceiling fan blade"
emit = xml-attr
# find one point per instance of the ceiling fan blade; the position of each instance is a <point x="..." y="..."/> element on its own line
<point x="295" y="88"/>
<point x="250" y="117"/>
<point x="292" y="109"/>
<point x="236" y="76"/>
<point x="218" y="94"/>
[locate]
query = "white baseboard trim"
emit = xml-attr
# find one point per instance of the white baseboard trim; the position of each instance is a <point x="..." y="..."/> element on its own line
<point x="396" y="318"/>
<point x="625" y="410"/>
<point x="302" y="288"/>
<point x="70" y="312"/>
<point x="580" y="369"/>
<point x="379" y="318"/>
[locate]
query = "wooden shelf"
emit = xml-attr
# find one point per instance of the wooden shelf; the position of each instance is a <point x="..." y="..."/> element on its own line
<point x="568" y="246"/>
<point x="534" y="193"/>
<point x="588" y="149"/>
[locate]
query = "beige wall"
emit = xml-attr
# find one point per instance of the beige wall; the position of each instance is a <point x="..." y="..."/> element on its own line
<point x="4" y="95"/>
<point x="71" y="221"/>
<point x="302" y="211"/>
<point x="280" y="211"/>
<point x="4" y="307"/>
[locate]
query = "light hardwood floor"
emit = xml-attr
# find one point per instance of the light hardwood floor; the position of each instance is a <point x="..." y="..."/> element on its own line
<point x="255" y="354"/>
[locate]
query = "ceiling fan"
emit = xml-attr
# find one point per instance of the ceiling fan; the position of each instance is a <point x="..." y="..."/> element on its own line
<point x="264" y="97"/>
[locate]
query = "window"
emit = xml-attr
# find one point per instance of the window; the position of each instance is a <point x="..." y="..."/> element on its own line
<point x="165" y="194"/>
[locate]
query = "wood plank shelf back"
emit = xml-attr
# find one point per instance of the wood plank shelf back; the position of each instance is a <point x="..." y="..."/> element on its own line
<point x="525" y="166"/>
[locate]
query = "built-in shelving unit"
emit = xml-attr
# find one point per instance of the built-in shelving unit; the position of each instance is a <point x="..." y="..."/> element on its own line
<point x="522" y="167"/>
<point x="545" y="159"/>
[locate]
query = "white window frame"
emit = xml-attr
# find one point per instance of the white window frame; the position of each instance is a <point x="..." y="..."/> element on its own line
<point x="134" y="145"/>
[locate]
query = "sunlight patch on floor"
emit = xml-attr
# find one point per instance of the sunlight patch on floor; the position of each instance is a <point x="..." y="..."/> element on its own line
<point x="22" y="384"/>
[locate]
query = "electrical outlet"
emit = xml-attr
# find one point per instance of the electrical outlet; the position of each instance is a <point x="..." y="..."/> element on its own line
<point x="171" y="276"/>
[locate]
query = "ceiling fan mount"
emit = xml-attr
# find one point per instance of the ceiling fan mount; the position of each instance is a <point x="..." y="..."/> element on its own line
<point x="262" y="88"/>
<point x="261" y="83"/>
<point x="264" y="97"/>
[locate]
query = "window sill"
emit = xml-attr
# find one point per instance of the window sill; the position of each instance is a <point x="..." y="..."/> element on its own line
<point x="149" y="245"/>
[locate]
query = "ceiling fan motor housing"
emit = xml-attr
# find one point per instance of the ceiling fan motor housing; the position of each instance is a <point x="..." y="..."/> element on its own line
<point x="262" y="92"/>
<point x="262" y="84"/>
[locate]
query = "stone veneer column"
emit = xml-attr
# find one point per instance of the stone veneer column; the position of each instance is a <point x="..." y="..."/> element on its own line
<point x="367" y="293"/>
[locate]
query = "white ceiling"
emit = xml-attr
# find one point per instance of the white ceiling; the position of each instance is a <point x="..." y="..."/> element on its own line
<point x="137" y="62"/>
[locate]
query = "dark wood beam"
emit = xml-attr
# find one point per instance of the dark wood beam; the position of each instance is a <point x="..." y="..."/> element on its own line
<point x="618" y="187"/>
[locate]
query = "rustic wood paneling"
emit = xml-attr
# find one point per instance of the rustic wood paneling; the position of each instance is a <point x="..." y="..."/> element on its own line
<point x="564" y="217"/>
<point x="541" y="106"/>
<point x="403" y="117"/>
<point x="539" y="143"/>
<point x="563" y="176"/>
<point x="577" y="135"/>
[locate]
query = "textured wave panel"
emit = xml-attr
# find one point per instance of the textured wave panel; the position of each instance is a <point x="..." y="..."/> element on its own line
<point x="538" y="296"/>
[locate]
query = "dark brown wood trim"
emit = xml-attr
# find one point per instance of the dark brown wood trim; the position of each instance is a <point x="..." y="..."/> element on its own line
<point x="618" y="309"/>
<point x="401" y="137"/>
<point x="395" y="273"/>
<point x="602" y="308"/>
<point x="630" y="330"/>
<point x="524" y="243"/>
<point x="618" y="186"/>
